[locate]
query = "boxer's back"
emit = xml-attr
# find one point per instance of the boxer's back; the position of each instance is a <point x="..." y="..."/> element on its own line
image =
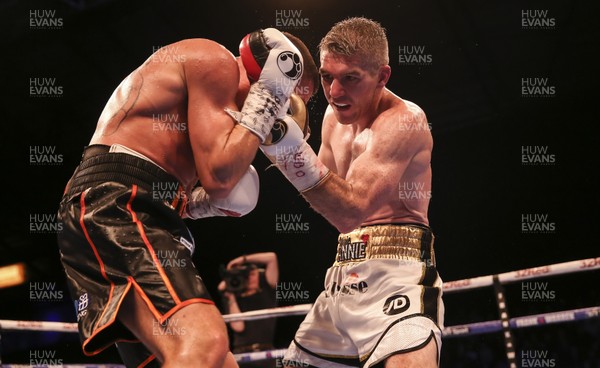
<point x="148" y="112"/>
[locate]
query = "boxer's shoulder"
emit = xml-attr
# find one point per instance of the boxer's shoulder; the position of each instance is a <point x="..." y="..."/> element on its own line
<point x="207" y="61"/>
<point x="401" y="116"/>
<point x="202" y="50"/>
<point x="401" y="128"/>
<point x="195" y="55"/>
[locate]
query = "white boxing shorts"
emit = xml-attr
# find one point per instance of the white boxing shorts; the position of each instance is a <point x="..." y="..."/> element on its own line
<point x="383" y="296"/>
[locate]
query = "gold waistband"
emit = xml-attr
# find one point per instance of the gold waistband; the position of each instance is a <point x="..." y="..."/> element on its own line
<point x="408" y="242"/>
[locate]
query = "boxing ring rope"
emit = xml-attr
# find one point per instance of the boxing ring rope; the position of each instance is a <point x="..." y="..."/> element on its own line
<point x="48" y="326"/>
<point x="449" y="332"/>
<point x="479" y="328"/>
<point x="293" y="310"/>
<point x="529" y="273"/>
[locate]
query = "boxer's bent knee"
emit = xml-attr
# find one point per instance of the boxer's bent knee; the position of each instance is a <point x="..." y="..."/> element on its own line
<point x="426" y="357"/>
<point x="195" y="335"/>
<point x="203" y="339"/>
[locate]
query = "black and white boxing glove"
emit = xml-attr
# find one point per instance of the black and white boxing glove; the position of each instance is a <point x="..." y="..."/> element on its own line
<point x="241" y="200"/>
<point x="288" y="150"/>
<point x="272" y="60"/>
<point x="275" y="66"/>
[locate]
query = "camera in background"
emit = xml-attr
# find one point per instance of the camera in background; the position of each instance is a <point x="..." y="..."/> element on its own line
<point x="236" y="278"/>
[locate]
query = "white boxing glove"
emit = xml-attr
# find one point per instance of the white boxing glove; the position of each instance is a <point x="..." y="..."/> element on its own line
<point x="272" y="60"/>
<point x="239" y="202"/>
<point x="288" y="150"/>
<point x="275" y="66"/>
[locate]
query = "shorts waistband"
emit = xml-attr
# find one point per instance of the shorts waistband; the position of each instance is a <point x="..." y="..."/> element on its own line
<point x="98" y="166"/>
<point x="391" y="241"/>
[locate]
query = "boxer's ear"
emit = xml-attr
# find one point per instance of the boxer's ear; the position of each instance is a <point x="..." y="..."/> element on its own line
<point x="384" y="74"/>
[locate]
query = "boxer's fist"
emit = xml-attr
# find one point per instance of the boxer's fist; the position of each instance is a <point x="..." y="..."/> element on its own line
<point x="275" y="64"/>
<point x="239" y="202"/>
<point x="289" y="130"/>
<point x="286" y="147"/>
<point x="296" y="116"/>
<point x="271" y="59"/>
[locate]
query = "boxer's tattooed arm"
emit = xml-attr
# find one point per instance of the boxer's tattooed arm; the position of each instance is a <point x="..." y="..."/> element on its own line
<point x="126" y="96"/>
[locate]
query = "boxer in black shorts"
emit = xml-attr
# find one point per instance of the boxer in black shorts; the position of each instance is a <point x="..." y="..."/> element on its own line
<point x="126" y="250"/>
<point x="128" y="229"/>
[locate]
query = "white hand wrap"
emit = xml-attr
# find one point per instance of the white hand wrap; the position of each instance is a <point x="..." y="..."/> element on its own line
<point x="295" y="158"/>
<point x="259" y="111"/>
<point x="239" y="202"/>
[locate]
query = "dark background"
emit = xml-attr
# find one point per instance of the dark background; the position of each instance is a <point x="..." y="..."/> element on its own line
<point x="470" y="91"/>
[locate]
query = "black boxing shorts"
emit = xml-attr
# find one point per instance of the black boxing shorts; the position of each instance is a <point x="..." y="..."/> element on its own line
<point x="122" y="232"/>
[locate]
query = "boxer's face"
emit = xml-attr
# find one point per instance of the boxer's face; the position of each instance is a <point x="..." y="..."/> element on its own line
<point x="350" y="89"/>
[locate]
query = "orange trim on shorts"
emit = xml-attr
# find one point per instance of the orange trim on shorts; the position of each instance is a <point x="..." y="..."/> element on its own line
<point x="89" y="239"/>
<point x="178" y="307"/>
<point x="163" y="317"/>
<point x="95" y="329"/>
<point x="140" y="227"/>
<point x="144" y="297"/>
<point x="147" y="361"/>
<point x="180" y="197"/>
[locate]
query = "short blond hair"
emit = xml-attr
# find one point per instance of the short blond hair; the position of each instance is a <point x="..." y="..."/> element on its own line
<point x="358" y="37"/>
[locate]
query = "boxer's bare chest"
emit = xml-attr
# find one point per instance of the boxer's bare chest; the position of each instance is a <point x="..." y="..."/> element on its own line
<point x="347" y="146"/>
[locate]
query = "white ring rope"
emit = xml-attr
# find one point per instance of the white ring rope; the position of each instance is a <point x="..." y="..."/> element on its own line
<point x="449" y="287"/>
<point x="37" y="326"/>
<point x="528" y="273"/>
<point x="259" y="355"/>
<point x="301" y="309"/>
<point x="478" y="328"/>
<point x="292" y="310"/>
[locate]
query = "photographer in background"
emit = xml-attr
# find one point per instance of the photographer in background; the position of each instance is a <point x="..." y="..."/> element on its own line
<point x="248" y="284"/>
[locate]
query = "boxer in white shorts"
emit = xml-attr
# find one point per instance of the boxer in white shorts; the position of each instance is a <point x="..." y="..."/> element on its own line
<point x="382" y="296"/>
<point x="382" y="304"/>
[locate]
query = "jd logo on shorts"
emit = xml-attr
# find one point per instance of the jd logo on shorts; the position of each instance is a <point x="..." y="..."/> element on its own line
<point x="396" y="304"/>
<point x="289" y="64"/>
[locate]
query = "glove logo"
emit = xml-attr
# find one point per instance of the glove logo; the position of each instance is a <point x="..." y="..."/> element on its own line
<point x="289" y="63"/>
<point x="278" y="131"/>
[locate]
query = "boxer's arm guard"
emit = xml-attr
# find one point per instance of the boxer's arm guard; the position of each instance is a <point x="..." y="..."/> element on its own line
<point x="239" y="202"/>
<point x="289" y="151"/>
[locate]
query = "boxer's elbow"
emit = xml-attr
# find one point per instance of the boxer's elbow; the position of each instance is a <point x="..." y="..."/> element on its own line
<point x="218" y="179"/>
<point x="238" y="195"/>
<point x="218" y="186"/>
